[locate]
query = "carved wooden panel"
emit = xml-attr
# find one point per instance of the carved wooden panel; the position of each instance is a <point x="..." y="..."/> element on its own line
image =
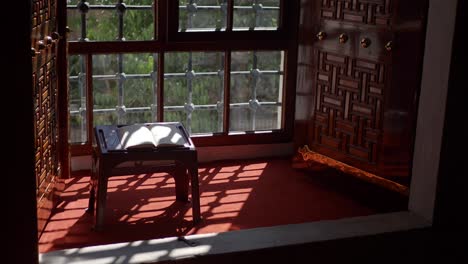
<point x="43" y="51"/>
<point x="367" y="61"/>
<point x="46" y="125"/>
<point x="42" y="12"/>
<point x="372" y="12"/>
<point x="348" y="109"/>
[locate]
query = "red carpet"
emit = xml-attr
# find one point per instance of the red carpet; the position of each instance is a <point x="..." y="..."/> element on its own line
<point x="234" y="195"/>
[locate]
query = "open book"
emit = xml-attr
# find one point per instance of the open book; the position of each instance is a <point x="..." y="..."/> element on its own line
<point x="151" y="136"/>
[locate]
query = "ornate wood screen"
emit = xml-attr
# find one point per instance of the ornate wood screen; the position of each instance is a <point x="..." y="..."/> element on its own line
<point x="44" y="41"/>
<point x="367" y="62"/>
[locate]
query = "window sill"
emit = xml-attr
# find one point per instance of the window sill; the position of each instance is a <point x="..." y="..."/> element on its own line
<point x="152" y="251"/>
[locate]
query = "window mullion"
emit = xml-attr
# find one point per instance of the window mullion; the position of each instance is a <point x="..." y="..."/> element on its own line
<point x="83" y="7"/>
<point x="89" y="96"/>
<point x="253" y="102"/>
<point x="155" y="79"/>
<point x="283" y="5"/>
<point x="160" y="90"/>
<point x="120" y="8"/>
<point x="161" y="19"/>
<point x="189" y="106"/>
<point x="227" y="90"/>
<point x="230" y="15"/>
<point x="121" y="111"/>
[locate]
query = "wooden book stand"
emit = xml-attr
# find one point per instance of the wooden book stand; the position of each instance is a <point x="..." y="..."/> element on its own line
<point x="106" y="157"/>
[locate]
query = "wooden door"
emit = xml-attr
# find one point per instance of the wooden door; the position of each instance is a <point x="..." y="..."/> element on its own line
<point x="45" y="45"/>
<point x="367" y="60"/>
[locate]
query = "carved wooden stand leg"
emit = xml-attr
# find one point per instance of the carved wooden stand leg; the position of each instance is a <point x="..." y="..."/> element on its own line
<point x="92" y="191"/>
<point x="101" y="196"/>
<point x="181" y="182"/>
<point x="193" y="170"/>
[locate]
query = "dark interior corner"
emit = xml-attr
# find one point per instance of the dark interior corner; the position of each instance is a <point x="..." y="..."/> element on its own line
<point x="452" y="181"/>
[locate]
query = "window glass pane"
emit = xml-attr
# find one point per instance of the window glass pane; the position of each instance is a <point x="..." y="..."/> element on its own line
<point x="256" y="14"/>
<point x="109" y="20"/>
<point x="124" y="88"/>
<point x="78" y="97"/>
<point x="202" y="15"/>
<point x="256" y="90"/>
<point x="73" y="20"/>
<point x="193" y="90"/>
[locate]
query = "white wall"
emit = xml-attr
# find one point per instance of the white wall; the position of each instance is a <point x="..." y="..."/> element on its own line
<point x="431" y="112"/>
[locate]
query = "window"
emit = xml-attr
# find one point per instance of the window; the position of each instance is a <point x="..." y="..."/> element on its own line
<point x="212" y="15"/>
<point x="225" y="68"/>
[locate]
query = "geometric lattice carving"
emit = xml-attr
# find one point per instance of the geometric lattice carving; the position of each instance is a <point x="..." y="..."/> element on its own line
<point x="46" y="126"/>
<point x="42" y="11"/>
<point x="45" y="96"/>
<point x="349" y="103"/>
<point x="372" y="12"/>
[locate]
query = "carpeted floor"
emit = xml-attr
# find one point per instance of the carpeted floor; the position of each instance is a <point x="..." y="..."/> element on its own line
<point x="234" y="195"/>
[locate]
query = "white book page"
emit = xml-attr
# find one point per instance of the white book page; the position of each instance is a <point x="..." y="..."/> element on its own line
<point x="166" y="135"/>
<point x="136" y="136"/>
